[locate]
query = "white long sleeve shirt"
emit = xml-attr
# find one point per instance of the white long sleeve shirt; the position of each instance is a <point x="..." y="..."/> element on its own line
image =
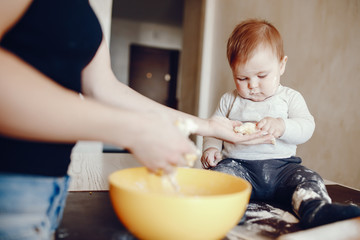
<point x="286" y="103"/>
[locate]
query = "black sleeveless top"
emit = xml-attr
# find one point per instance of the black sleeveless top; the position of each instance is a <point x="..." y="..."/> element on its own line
<point x="59" y="38"/>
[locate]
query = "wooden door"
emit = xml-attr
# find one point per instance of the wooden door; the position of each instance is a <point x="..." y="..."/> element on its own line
<point x="153" y="73"/>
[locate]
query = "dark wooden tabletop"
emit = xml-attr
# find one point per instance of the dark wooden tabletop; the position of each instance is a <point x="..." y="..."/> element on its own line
<point x="90" y="216"/>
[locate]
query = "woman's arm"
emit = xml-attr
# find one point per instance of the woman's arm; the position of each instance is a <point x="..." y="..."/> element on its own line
<point x="36" y="108"/>
<point x="26" y="95"/>
<point x="11" y="12"/>
<point x="99" y="82"/>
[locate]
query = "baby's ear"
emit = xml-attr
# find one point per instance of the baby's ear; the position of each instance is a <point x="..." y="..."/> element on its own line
<point x="283" y="65"/>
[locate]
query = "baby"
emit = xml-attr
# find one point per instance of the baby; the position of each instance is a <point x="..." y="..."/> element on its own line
<point x="256" y="57"/>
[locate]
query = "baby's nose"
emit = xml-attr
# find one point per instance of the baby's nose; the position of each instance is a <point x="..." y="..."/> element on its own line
<point x="253" y="83"/>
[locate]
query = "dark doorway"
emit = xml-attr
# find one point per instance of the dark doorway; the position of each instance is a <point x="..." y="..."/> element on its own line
<point x="153" y="73"/>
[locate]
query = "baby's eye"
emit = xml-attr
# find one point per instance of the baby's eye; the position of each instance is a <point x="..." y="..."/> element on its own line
<point x="262" y="76"/>
<point x="241" y="79"/>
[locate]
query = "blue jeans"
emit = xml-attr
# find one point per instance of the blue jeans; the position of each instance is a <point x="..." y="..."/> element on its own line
<point x="275" y="179"/>
<point x="31" y="206"/>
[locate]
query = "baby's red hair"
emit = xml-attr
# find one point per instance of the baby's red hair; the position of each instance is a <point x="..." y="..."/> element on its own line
<point x="250" y="34"/>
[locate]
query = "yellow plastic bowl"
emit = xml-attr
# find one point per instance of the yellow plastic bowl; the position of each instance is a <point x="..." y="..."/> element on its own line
<point x="207" y="206"/>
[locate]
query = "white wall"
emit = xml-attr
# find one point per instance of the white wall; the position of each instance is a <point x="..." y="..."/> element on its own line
<point x="322" y="42"/>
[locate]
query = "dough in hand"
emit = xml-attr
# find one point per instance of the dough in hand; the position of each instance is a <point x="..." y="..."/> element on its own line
<point x="250" y="128"/>
<point x="190" y="159"/>
<point x="187" y="127"/>
<point x="246" y="128"/>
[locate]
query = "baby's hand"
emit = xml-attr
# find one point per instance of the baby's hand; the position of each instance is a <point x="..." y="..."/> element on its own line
<point x="273" y="126"/>
<point x="211" y="157"/>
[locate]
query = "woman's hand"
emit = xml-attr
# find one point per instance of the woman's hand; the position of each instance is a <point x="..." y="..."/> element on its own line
<point x="210" y="158"/>
<point x="223" y="128"/>
<point x="158" y="144"/>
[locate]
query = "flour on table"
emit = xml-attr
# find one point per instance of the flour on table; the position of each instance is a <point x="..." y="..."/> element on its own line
<point x="264" y="222"/>
<point x="257" y="213"/>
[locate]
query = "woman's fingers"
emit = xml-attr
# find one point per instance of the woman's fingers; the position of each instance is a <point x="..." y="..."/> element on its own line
<point x="259" y="140"/>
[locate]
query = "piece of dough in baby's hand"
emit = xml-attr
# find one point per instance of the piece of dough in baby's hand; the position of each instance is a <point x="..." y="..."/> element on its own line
<point x="246" y="128"/>
<point x="249" y="128"/>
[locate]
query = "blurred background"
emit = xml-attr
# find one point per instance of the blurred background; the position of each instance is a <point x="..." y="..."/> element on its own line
<point x="174" y="52"/>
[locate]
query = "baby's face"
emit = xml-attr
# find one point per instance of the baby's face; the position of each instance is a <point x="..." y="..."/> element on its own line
<point x="259" y="77"/>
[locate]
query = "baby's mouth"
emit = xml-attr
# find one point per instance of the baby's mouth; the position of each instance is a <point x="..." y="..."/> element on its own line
<point x="255" y="96"/>
<point x="252" y="92"/>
